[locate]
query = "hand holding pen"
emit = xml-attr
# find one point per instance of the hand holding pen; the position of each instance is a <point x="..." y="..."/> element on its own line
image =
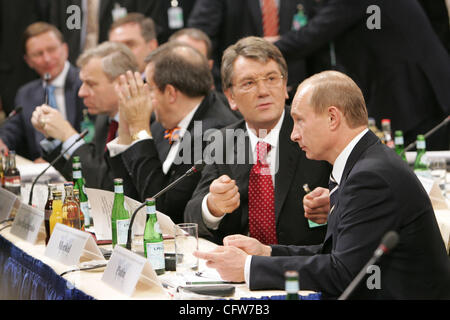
<point x="316" y="204"/>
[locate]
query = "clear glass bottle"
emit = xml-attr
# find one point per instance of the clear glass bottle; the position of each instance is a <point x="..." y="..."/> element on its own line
<point x="400" y="144"/>
<point x="120" y="217"/>
<point x="48" y="211"/>
<point x="12" y="175"/>
<point x="153" y="239"/>
<point x="420" y="163"/>
<point x="373" y="127"/>
<point x="76" y="196"/>
<point x="57" y="215"/>
<point x="78" y="183"/>
<point x="291" y="285"/>
<point x="387" y="132"/>
<point x="70" y="208"/>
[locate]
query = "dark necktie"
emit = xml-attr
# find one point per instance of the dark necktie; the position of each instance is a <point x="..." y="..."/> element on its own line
<point x="333" y="187"/>
<point x="113" y="125"/>
<point x="261" y="199"/>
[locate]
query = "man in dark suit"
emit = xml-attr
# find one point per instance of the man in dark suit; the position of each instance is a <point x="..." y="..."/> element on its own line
<point x="225" y="22"/>
<point x="376" y="44"/>
<point x="178" y="90"/>
<point x="100" y="70"/>
<point x="45" y="52"/>
<point x="254" y="74"/>
<point x="372" y="192"/>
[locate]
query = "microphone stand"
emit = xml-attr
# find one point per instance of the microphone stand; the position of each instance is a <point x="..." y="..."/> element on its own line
<point x="82" y="135"/>
<point x="196" y="168"/>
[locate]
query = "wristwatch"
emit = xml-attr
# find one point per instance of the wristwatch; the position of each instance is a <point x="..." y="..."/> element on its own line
<point x="143" y="134"/>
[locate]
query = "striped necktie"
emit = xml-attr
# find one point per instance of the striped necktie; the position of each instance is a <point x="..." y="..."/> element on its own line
<point x="333" y="187"/>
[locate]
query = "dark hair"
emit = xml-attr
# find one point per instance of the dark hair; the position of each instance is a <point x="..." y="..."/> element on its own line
<point x="36" y="29"/>
<point x="195" y="34"/>
<point x="181" y="66"/>
<point x="148" y="30"/>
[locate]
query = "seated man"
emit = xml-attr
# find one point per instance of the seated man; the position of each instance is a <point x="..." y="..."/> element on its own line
<point x="46" y="53"/>
<point x="230" y="195"/>
<point x="373" y="191"/>
<point x="178" y="90"/>
<point x="100" y="70"/>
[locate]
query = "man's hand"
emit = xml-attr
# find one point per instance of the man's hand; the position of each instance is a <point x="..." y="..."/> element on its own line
<point x="317" y="205"/>
<point x="135" y="104"/>
<point x="228" y="261"/>
<point x="51" y="123"/>
<point x="251" y="246"/>
<point x="223" y="196"/>
<point x="3" y="147"/>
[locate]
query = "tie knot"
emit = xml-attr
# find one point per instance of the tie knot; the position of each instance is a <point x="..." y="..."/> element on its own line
<point x="262" y="149"/>
<point x="172" y="134"/>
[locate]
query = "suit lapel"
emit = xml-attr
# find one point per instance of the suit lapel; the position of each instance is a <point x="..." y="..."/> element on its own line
<point x="69" y="95"/>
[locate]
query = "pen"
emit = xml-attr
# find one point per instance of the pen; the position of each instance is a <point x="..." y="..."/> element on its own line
<point x="306" y="188"/>
<point x="208" y="282"/>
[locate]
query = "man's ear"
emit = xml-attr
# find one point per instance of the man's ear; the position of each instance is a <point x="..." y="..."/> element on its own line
<point x="170" y="92"/>
<point x="335" y="117"/>
<point x="229" y="94"/>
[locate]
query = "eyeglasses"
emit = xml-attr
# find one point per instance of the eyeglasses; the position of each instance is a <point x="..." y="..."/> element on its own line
<point x="271" y="81"/>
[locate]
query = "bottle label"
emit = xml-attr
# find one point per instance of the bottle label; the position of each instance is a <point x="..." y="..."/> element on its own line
<point x="122" y="231"/>
<point x="12" y="181"/>
<point x="118" y="189"/>
<point x="155" y="254"/>
<point x="157" y="228"/>
<point x="291" y="286"/>
<point x="86" y="212"/>
<point x="399" y="140"/>
<point x="77" y="174"/>
<point x="420" y="144"/>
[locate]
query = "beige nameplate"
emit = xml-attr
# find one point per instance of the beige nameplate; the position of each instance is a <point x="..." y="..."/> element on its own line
<point x="7" y="200"/>
<point x="27" y="223"/>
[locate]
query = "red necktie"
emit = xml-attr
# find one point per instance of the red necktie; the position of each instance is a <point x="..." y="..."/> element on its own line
<point x="172" y="134"/>
<point x="113" y="125"/>
<point x="261" y="199"/>
<point x="270" y="18"/>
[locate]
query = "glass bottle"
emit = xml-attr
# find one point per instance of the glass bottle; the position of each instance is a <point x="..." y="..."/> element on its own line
<point x="48" y="211"/>
<point x="57" y="215"/>
<point x="76" y="196"/>
<point x="12" y="175"/>
<point x="120" y="217"/>
<point x="420" y="163"/>
<point x="153" y="239"/>
<point x="291" y="285"/>
<point x="78" y="183"/>
<point x="373" y="127"/>
<point x="70" y="208"/>
<point x="400" y="144"/>
<point x="387" y="132"/>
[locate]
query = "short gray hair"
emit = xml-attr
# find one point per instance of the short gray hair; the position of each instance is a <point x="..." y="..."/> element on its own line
<point x="116" y="59"/>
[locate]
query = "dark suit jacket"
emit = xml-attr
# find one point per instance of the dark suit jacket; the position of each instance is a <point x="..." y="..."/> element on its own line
<point x="377" y="193"/>
<point x="141" y="165"/>
<point x="20" y="135"/>
<point x="227" y="21"/>
<point x="400" y="79"/>
<point x="95" y="169"/>
<point x="294" y="170"/>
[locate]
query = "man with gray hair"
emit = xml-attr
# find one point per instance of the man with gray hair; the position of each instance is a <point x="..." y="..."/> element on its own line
<point x="100" y="70"/>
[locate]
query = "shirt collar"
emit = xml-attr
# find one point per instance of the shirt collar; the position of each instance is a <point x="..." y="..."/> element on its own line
<point x="184" y="123"/>
<point x="60" y="80"/>
<point x="271" y="138"/>
<point x="341" y="160"/>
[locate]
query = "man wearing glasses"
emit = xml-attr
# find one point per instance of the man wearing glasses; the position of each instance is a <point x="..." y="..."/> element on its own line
<point x="257" y="187"/>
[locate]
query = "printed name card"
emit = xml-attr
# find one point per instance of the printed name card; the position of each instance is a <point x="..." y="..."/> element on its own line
<point x="126" y="268"/>
<point x="27" y="223"/>
<point x="67" y="245"/>
<point x="7" y="200"/>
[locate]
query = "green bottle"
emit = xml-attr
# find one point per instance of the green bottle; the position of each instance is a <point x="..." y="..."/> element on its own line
<point x="400" y="144"/>
<point x="120" y="217"/>
<point x="291" y="285"/>
<point x="153" y="239"/>
<point x="420" y="164"/>
<point x="78" y="184"/>
<point x="87" y="124"/>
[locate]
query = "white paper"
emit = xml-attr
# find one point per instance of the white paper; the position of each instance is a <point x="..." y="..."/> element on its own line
<point x="101" y="208"/>
<point x="29" y="171"/>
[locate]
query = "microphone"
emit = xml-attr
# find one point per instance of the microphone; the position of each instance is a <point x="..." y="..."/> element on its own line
<point x="82" y="135"/>
<point x="198" y="167"/>
<point x="429" y="133"/>
<point x="12" y="114"/>
<point x="388" y="243"/>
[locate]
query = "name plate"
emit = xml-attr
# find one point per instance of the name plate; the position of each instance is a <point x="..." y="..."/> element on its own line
<point x="7" y="200"/>
<point x="126" y="268"/>
<point x="433" y="190"/>
<point x="67" y="245"/>
<point x="27" y="223"/>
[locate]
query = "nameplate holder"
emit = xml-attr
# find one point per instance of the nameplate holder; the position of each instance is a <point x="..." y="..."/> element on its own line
<point x="126" y="268"/>
<point x="27" y="223"/>
<point x="71" y="246"/>
<point x="7" y="200"/>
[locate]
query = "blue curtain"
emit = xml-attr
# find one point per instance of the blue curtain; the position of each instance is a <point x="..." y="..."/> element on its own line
<point x="23" y="277"/>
